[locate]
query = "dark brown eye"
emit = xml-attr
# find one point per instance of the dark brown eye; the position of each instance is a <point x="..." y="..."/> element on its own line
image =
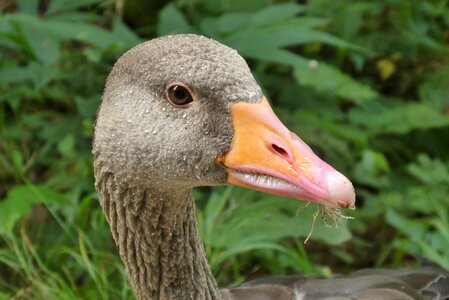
<point x="179" y="94"/>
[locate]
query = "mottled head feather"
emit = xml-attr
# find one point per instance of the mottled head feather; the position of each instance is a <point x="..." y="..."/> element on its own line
<point x="143" y="139"/>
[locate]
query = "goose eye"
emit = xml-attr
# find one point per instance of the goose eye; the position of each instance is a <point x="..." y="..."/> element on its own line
<point x="178" y="94"/>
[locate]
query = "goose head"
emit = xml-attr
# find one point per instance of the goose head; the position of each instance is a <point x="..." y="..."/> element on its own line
<point x="185" y="111"/>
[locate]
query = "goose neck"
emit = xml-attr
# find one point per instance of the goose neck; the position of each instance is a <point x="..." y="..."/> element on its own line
<point x="156" y="233"/>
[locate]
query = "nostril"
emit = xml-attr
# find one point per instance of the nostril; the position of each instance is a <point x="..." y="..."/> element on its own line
<point x="281" y="151"/>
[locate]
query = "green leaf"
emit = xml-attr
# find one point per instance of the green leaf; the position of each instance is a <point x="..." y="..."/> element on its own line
<point x="273" y="55"/>
<point x="57" y="6"/>
<point x="413" y="229"/>
<point x="326" y="78"/>
<point x="34" y="72"/>
<point x="5" y="295"/>
<point x="17" y="159"/>
<point x="435" y="90"/>
<point x="58" y="31"/>
<point x="399" y="118"/>
<point x="82" y="32"/>
<point x="373" y="169"/>
<point x="42" y="45"/>
<point x="220" y="6"/>
<point x="433" y="245"/>
<point x="275" y="14"/>
<point x="279" y="36"/>
<point x="172" y="21"/>
<point x="87" y="107"/>
<point x="214" y="207"/>
<point x="66" y="145"/>
<point x="225" y="24"/>
<point x="28" y="6"/>
<point x="428" y="171"/>
<point x="306" y="22"/>
<point x="316" y="121"/>
<point x="125" y="35"/>
<point x="15" y="74"/>
<point x="240" y="248"/>
<point x="73" y="16"/>
<point x="19" y="201"/>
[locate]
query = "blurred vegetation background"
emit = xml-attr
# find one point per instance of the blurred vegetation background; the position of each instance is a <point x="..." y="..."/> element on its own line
<point x="365" y="83"/>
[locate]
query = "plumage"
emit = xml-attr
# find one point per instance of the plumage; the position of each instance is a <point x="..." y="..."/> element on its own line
<point x="429" y="282"/>
<point x="150" y="150"/>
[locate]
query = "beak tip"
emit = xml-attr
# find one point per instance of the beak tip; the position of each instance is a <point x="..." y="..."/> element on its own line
<point x="341" y="191"/>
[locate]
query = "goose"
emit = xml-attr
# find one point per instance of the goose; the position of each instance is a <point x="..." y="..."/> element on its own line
<point x="184" y="111"/>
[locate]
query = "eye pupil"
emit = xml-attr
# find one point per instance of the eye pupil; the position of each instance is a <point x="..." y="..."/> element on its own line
<point x="179" y="92"/>
<point x="179" y="95"/>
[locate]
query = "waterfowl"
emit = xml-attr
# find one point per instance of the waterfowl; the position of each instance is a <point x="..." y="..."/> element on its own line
<point x="183" y="111"/>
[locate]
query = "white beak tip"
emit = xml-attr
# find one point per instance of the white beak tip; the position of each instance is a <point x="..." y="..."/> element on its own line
<point x="341" y="190"/>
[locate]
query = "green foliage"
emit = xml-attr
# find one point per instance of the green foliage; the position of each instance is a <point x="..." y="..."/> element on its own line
<point x="19" y="203"/>
<point x="236" y="221"/>
<point x="425" y="220"/>
<point x="365" y="83"/>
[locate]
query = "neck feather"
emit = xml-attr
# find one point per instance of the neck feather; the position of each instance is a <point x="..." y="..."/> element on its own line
<point x="158" y="240"/>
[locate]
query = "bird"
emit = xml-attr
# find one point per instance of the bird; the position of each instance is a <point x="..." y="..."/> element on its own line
<point x="183" y="111"/>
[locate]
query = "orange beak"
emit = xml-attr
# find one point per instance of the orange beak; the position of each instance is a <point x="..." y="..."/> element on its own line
<point x="266" y="156"/>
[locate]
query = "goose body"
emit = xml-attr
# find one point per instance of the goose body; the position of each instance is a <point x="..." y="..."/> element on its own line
<point x="423" y="283"/>
<point x="184" y="111"/>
